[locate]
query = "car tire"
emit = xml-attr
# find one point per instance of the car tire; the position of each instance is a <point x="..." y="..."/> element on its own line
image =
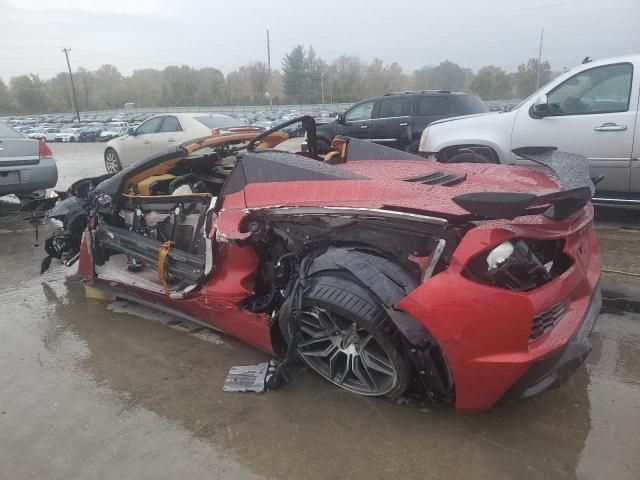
<point x="112" y="161"/>
<point x="360" y="345"/>
<point x="413" y="147"/>
<point x="72" y="139"/>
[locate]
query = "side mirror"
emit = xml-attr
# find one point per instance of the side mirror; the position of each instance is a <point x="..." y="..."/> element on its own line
<point x="340" y="118"/>
<point x="131" y="131"/>
<point x="540" y="108"/>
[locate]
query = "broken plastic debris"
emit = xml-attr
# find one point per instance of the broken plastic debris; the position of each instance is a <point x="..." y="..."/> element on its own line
<point x="250" y="378"/>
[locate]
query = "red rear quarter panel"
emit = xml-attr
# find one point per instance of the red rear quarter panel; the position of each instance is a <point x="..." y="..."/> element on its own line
<point x="484" y="330"/>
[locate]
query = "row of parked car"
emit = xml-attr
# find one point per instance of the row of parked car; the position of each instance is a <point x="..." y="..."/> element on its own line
<point x="92" y="132"/>
<point x="104" y="128"/>
<point x="68" y="118"/>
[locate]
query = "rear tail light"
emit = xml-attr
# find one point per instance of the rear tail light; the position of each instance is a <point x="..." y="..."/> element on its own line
<point x="44" y="151"/>
<point x="520" y="264"/>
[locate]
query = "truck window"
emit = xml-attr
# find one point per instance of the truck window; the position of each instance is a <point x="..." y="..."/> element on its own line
<point x="392" y="107"/>
<point x="7" y="132"/>
<point x="605" y="89"/>
<point x="432" y="105"/>
<point x="360" y="112"/>
<point x="468" y="104"/>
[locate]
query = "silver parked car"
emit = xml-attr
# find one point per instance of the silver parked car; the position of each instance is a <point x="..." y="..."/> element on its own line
<point x="27" y="167"/>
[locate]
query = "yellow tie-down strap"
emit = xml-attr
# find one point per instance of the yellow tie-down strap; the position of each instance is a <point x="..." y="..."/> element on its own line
<point x="162" y="257"/>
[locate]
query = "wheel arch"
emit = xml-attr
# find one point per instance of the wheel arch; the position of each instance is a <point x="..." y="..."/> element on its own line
<point x="108" y="147"/>
<point x="389" y="283"/>
<point x="450" y="151"/>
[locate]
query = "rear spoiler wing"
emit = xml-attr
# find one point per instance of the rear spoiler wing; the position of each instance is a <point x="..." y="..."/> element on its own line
<point x="572" y="172"/>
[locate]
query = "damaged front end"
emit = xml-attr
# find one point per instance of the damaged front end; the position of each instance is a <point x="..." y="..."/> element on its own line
<point x="70" y="212"/>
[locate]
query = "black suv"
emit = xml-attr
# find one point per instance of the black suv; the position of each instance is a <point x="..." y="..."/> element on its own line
<point x="398" y="119"/>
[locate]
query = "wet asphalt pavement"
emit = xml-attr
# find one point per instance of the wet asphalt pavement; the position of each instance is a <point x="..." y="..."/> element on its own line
<point x="95" y="389"/>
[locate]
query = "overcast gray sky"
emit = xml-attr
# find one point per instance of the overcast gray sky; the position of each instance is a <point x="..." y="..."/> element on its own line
<point x="135" y="34"/>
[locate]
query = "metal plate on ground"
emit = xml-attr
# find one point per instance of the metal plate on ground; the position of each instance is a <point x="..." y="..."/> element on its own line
<point x="249" y="378"/>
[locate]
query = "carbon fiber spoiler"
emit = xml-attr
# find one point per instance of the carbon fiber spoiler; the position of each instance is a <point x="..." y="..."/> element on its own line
<point x="570" y="169"/>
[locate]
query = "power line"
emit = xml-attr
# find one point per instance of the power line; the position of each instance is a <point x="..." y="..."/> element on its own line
<point x="73" y="87"/>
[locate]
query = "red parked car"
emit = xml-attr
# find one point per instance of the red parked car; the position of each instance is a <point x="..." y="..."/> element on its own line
<point x="382" y="271"/>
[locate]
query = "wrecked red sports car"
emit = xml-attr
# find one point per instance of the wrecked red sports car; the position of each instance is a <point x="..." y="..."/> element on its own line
<point x="380" y="270"/>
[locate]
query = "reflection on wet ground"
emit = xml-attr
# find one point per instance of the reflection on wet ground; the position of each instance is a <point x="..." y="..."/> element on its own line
<point x="93" y="389"/>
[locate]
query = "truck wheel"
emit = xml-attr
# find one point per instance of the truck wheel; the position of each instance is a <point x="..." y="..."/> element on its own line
<point x="469" y="157"/>
<point x="112" y="161"/>
<point x="347" y="337"/>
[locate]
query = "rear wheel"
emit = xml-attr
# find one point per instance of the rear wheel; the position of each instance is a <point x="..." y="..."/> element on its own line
<point x="346" y="337"/>
<point x="112" y="161"/>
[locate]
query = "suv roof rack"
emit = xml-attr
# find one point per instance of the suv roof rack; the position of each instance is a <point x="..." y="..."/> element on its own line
<point x="413" y="92"/>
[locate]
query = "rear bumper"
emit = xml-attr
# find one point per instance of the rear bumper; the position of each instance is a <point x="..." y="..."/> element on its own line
<point x="24" y="179"/>
<point x="554" y="370"/>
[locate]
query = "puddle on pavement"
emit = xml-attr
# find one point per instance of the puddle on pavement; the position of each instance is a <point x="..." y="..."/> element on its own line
<point x="104" y="372"/>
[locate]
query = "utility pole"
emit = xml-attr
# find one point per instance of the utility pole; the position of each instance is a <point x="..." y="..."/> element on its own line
<point x="322" y="88"/>
<point x="539" y="60"/>
<point x="73" y="87"/>
<point x="269" y="70"/>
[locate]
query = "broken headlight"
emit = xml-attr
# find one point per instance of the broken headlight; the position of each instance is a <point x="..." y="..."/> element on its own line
<point x="519" y="264"/>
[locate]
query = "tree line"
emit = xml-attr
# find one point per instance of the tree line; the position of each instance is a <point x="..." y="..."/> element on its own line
<point x="304" y="78"/>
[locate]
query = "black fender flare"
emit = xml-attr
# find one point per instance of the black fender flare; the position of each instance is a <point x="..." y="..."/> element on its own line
<point x="384" y="278"/>
<point x="391" y="283"/>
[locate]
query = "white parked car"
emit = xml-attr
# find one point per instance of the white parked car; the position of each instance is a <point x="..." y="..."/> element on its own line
<point x="160" y="132"/>
<point x="68" y="135"/>
<point x="591" y="110"/>
<point x="46" y="134"/>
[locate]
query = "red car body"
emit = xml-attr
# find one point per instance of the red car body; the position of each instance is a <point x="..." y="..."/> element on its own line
<point x="484" y="331"/>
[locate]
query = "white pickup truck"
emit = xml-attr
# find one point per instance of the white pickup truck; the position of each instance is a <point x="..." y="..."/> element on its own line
<point x="591" y="110"/>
